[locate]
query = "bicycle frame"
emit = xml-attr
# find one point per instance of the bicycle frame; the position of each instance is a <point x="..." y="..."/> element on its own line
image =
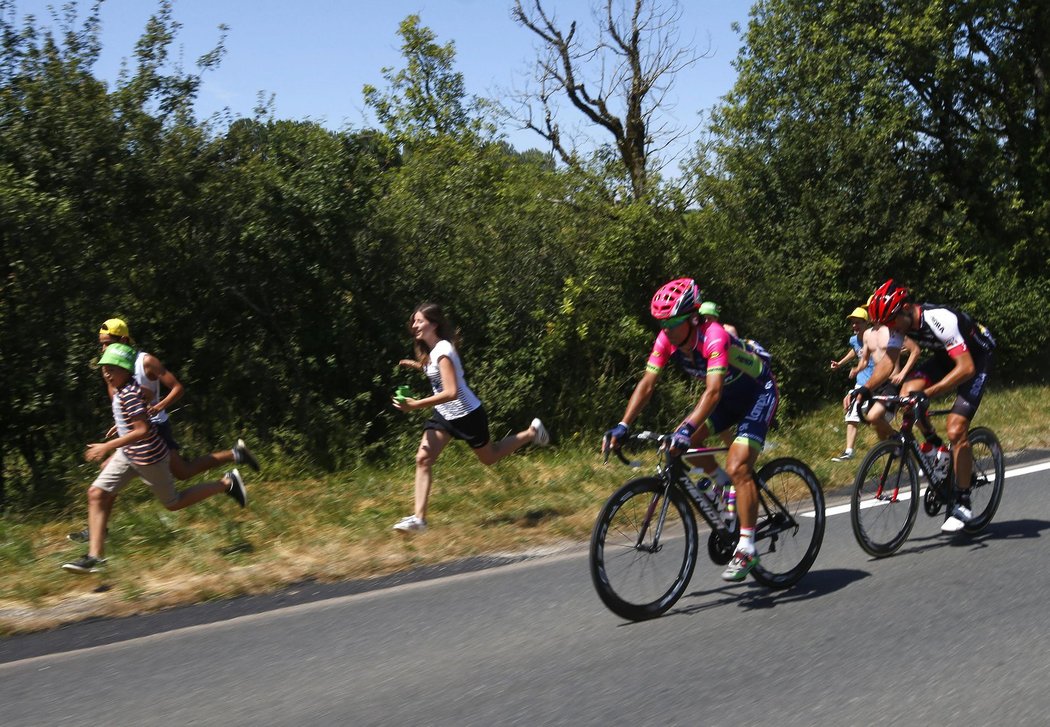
<point x="672" y="471"/>
<point x="906" y="437"/>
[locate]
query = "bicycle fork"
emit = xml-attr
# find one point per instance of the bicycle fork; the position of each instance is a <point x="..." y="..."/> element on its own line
<point x="880" y="492"/>
<point x="664" y="500"/>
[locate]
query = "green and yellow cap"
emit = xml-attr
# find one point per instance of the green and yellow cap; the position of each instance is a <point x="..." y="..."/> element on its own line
<point x="118" y="354"/>
<point x="709" y="308"/>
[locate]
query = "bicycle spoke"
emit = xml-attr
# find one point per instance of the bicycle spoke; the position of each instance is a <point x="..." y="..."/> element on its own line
<point x="986" y="482"/>
<point x="643" y="549"/>
<point x="790" y="525"/>
<point x="885" y="499"/>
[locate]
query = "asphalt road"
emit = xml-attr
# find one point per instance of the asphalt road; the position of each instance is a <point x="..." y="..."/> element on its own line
<point x="951" y="630"/>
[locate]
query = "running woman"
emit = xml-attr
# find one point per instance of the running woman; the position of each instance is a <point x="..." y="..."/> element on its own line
<point x="458" y="413"/>
<point x="739" y="390"/>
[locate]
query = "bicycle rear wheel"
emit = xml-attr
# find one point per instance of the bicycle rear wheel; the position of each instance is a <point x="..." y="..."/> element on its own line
<point x="635" y="577"/>
<point x="885" y="499"/>
<point x="986" y="483"/>
<point x="790" y="525"/>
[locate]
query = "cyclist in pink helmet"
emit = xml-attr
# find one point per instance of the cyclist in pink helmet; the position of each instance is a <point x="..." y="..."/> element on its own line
<point x="739" y="390"/>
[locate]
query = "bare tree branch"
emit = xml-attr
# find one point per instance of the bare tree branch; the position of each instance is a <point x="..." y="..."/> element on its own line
<point x="619" y="82"/>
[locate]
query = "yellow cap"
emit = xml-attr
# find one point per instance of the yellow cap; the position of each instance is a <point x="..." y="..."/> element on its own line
<point x="115" y="327"/>
<point x="859" y="312"/>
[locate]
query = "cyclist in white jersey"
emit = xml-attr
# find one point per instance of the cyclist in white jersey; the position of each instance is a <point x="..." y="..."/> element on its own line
<point x="961" y="361"/>
<point x="458" y="413"/>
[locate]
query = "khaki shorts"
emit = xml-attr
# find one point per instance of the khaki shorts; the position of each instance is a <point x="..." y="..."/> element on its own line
<point x="120" y="470"/>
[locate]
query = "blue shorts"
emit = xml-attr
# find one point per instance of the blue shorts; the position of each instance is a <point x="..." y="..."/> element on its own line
<point x="472" y="428"/>
<point x="750" y="404"/>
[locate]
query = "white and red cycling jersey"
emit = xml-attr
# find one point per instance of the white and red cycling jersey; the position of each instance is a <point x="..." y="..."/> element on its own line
<point x="942" y="328"/>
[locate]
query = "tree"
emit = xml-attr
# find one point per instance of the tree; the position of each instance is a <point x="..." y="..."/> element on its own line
<point x="618" y="81"/>
<point x="426" y="97"/>
<point x="93" y="183"/>
<point x="864" y="140"/>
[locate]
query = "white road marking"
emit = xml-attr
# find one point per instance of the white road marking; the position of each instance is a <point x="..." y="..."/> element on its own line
<point x="1015" y="472"/>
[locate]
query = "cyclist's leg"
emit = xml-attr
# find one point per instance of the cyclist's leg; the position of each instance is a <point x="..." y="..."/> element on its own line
<point x="759" y="407"/>
<point x="962" y="457"/>
<point x="740" y="465"/>
<point x="967" y="400"/>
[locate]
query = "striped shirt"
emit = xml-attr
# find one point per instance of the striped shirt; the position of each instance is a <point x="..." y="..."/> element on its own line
<point x="128" y="407"/>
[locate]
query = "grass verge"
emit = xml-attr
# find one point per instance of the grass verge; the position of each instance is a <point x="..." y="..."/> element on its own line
<point x="338" y="527"/>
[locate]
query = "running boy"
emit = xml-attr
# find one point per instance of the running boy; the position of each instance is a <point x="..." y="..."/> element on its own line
<point x="139" y="451"/>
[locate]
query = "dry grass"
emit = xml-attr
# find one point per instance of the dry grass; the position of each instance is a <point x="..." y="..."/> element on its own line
<point x="338" y="527"/>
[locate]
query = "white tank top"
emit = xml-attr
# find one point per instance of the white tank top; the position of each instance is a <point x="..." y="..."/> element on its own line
<point x="149" y="385"/>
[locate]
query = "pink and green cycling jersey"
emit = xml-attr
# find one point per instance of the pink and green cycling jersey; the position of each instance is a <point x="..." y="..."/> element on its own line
<point x="713" y="351"/>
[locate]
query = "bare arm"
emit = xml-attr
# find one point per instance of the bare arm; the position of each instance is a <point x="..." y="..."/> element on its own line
<point x="708" y="400"/>
<point x="844" y="360"/>
<point x="643" y="391"/>
<point x="912" y="349"/>
<point x="963" y="370"/>
<point x="449" y="389"/>
<point x="99" y="450"/>
<point x="156" y="371"/>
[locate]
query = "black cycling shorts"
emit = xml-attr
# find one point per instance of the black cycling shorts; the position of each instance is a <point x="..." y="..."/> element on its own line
<point x="968" y="395"/>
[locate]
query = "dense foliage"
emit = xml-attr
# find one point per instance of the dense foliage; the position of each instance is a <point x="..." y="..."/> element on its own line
<point x="272" y="264"/>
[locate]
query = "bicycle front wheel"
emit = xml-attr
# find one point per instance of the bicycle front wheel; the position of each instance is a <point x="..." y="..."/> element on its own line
<point x="885" y="499"/>
<point x="790" y="525"/>
<point x="986" y="483"/>
<point x="643" y="549"/>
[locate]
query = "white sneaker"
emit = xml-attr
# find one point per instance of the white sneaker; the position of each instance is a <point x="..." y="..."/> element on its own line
<point x="542" y="438"/>
<point x="957" y="519"/>
<point x="410" y="524"/>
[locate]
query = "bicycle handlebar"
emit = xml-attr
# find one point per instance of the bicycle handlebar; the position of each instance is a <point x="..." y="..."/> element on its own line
<point x="907" y="402"/>
<point x="661" y="440"/>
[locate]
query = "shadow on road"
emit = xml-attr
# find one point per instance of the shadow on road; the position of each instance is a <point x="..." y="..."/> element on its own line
<point x="1008" y="530"/>
<point x="817" y="583"/>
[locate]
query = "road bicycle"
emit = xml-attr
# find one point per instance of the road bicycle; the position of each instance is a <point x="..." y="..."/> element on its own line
<point x="645" y="541"/>
<point x="885" y="499"/>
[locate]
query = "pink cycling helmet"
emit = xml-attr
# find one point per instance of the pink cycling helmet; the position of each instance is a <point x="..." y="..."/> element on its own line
<point x="675" y="299"/>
